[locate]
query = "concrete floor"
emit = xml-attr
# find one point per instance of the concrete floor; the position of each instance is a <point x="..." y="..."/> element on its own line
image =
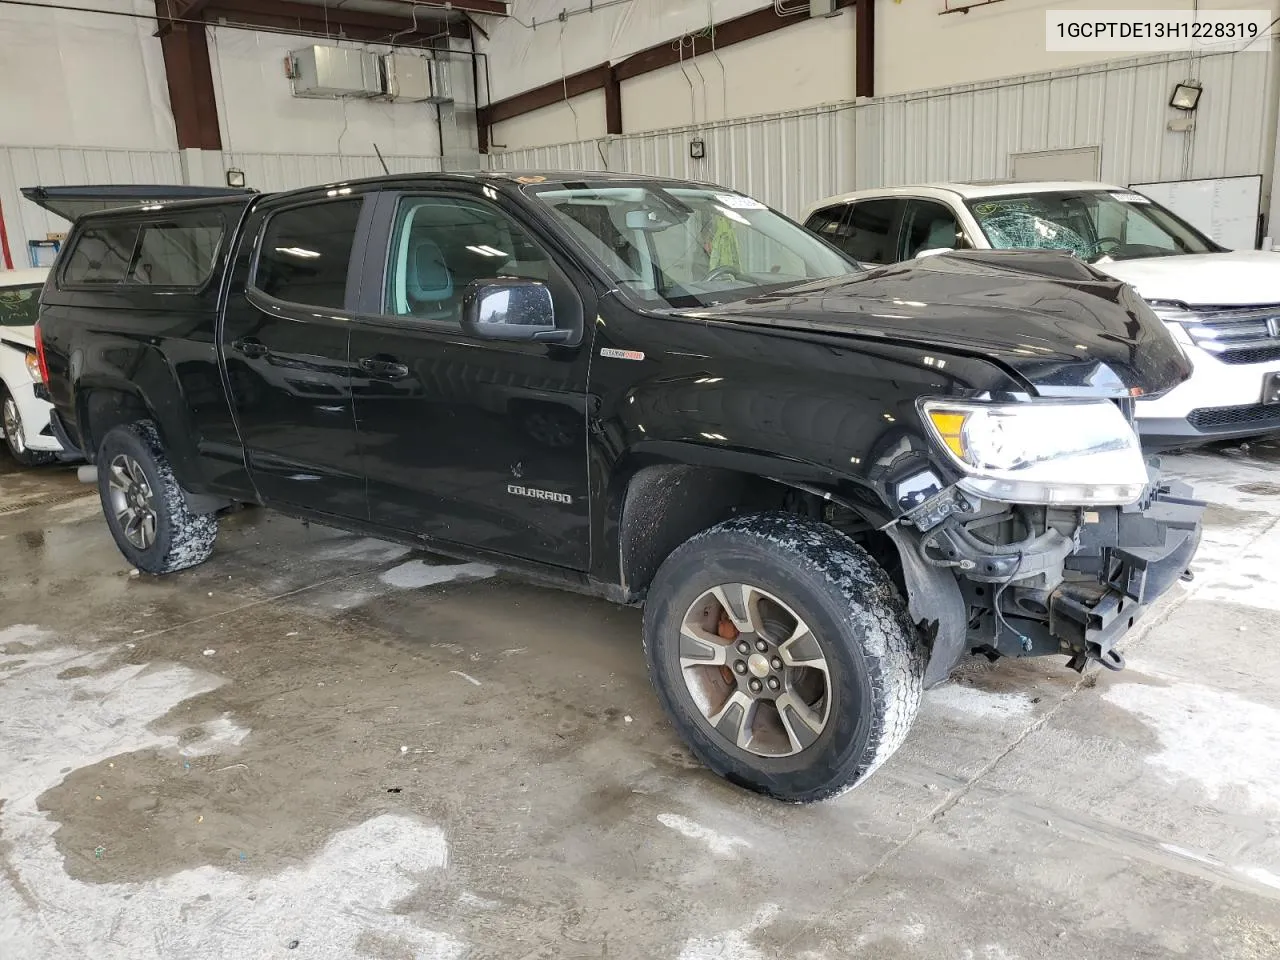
<point x="323" y="746"/>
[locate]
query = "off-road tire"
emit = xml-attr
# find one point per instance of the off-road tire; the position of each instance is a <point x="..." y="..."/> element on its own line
<point x="23" y="456"/>
<point x="875" y="664"/>
<point x="183" y="539"/>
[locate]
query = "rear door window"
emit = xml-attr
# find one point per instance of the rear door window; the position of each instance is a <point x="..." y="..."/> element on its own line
<point x="826" y="222"/>
<point x="305" y="253"/>
<point x="177" y="254"/>
<point x="101" y="254"/>
<point x="871" y="231"/>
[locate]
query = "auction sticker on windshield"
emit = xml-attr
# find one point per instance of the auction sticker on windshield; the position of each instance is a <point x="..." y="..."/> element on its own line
<point x="738" y="202"/>
<point x="1130" y="198"/>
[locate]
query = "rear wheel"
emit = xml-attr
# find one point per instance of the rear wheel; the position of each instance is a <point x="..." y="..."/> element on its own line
<point x="144" y="505"/>
<point x="783" y="655"/>
<point x="14" y="437"/>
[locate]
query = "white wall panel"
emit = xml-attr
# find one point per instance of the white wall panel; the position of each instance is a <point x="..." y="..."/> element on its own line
<point x="77" y="78"/>
<point x="922" y="50"/>
<point x="804" y="65"/>
<point x="258" y="112"/>
<point x="55" y="166"/>
<point x="967" y="132"/>
<point x="576" y="119"/>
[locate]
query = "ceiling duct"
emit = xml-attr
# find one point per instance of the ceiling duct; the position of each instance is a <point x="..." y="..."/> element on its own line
<point x="328" y="73"/>
<point x="413" y="78"/>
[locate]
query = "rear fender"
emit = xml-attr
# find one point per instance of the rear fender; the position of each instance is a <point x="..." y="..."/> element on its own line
<point x="104" y="402"/>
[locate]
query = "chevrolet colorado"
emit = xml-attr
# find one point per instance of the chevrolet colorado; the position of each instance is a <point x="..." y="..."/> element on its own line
<point x="826" y="485"/>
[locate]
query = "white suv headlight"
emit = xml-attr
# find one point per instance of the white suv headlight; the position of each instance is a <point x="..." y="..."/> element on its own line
<point x="1041" y="451"/>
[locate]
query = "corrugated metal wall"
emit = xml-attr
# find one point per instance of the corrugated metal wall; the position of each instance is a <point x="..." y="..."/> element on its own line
<point x="963" y="132"/>
<point x="54" y="166"/>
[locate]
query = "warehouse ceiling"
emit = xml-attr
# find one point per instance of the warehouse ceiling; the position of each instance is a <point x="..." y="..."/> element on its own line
<point x="408" y="21"/>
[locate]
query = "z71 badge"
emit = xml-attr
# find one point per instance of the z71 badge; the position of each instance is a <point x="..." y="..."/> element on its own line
<point x="614" y="353"/>
<point x="518" y="491"/>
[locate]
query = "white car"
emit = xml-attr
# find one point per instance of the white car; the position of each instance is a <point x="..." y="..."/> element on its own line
<point x="24" y="413"/>
<point x="1222" y="306"/>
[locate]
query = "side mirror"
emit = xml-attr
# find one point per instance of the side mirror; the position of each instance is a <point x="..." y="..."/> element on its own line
<point x="509" y="308"/>
<point x="932" y="252"/>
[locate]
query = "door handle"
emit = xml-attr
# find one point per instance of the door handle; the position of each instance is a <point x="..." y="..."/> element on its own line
<point x="251" y="348"/>
<point x="384" y="369"/>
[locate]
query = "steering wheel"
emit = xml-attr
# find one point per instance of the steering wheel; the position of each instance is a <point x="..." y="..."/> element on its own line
<point x="1115" y="242"/>
<point x="723" y="272"/>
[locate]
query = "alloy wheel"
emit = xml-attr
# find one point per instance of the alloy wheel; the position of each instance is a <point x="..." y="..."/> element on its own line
<point x="755" y="670"/>
<point x="132" y="501"/>
<point x="13" y="427"/>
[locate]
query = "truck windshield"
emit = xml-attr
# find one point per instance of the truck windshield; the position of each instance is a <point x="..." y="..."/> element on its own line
<point x="690" y="246"/>
<point x="1095" y="225"/>
<point x="19" y="306"/>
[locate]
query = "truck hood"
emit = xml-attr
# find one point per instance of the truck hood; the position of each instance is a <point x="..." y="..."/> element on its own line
<point x="1062" y="327"/>
<point x="1234" y="278"/>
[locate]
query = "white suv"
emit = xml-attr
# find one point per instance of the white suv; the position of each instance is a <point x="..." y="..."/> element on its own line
<point x="24" y="409"/>
<point x="1222" y="306"/>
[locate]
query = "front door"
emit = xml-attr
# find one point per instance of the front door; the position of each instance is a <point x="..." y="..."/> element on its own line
<point x="285" y="339"/>
<point x="466" y="440"/>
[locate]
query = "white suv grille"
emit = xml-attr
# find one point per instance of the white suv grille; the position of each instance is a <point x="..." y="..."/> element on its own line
<point x="1234" y="334"/>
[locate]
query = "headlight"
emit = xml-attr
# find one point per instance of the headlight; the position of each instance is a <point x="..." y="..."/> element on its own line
<point x="1041" y="451"/>
<point x="33" y="368"/>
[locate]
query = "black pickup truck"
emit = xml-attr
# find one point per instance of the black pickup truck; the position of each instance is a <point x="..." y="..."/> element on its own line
<point x="826" y="485"/>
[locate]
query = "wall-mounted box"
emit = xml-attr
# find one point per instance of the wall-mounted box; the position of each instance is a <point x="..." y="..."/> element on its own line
<point x="331" y="72"/>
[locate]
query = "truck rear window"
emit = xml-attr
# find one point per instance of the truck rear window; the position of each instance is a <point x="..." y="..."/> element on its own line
<point x="157" y="253"/>
<point x="101" y="254"/>
<point x="177" y="254"/>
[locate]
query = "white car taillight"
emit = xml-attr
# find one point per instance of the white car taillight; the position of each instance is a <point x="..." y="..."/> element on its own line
<point x="33" y="368"/>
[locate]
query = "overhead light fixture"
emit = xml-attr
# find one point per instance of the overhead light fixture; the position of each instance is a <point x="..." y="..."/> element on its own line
<point x="1186" y="95"/>
<point x="697" y="149"/>
<point x="235" y="177"/>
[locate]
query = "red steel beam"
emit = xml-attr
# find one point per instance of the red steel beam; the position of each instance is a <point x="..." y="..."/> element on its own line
<point x="190" y="80"/>
<point x="864" y="49"/>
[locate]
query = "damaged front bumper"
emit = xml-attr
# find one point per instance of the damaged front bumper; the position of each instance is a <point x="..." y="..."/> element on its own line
<point x="1130" y="557"/>
<point x="1069" y="581"/>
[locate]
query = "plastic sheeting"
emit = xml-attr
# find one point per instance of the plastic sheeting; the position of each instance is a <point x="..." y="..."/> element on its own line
<point x="524" y="56"/>
<point x="83" y="78"/>
<point x="961" y="133"/>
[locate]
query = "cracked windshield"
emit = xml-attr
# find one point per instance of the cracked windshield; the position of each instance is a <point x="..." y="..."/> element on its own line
<point x="1098" y="226"/>
<point x="688" y="247"/>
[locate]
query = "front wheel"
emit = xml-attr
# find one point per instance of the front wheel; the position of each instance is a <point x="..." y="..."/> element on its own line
<point x="783" y="655"/>
<point x="144" y="505"/>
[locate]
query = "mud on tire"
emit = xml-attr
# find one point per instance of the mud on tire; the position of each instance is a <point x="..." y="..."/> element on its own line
<point x="849" y="615"/>
<point x="181" y="539"/>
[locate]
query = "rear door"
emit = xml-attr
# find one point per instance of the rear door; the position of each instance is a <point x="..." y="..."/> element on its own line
<point x="284" y="338"/>
<point x="870" y="234"/>
<point x="866" y="230"/>
<point x="466" y="440"/>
